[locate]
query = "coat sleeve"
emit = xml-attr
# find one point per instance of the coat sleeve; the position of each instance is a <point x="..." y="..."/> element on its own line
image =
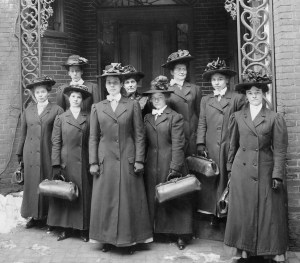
<point x="56" y="142"/>
<point x="96" y="95"/>
<point x="202" y="124"/>
<point x="139" y="134"/>
<point x="60" y="98"/>
<point x="280" y="142"/>
<point x="94" y="138"/>
<point x="198" y="100"/>
<point x="234" y="140"/>
<point x="178" y="141"/>
<point x="23" y="134"/>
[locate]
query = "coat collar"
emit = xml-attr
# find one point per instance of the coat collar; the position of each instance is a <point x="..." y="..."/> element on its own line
<point x="186" y="89"/>
<point x="82" y="117"/>
<point x="260" y="116"/>
<point x="121" y="108"/>
<point x="220" y="105"/>
<point x="247" y="119"/>
<point x="160" y="118"/>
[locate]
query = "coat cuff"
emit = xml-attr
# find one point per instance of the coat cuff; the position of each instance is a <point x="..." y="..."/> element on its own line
<point x="175" y="167"/>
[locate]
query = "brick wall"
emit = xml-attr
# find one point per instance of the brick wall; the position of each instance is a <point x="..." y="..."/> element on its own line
<point x="287" y="55"/>
<point x="9" y="88"/>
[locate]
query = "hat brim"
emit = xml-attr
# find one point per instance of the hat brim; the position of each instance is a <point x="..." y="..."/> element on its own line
<point x="176" y="61"/>
<point x="85" y="94"/>
<point x="227" y="72"/>
<point x="48" y="83"/>
<point x="110" y="74"/>
<point x="138" y="75"/>
<point x="242" y="87"/>
<point x="152" y="91"/>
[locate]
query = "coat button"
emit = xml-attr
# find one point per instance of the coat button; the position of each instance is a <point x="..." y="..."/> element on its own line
<point x="117" y="141"/>
<point x="244" y="149"/>
<point x="255" y="179"/>
<point x="256" y="150"/>
<point x="219" y="128"/>
<point x="244" y="163"/>
<point x="254" y="164"/>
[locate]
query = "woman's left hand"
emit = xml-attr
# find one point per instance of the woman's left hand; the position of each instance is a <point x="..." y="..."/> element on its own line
<point x="276" y="183"/>
<point x="143" y="102"/>
<point x="138" y="168"/>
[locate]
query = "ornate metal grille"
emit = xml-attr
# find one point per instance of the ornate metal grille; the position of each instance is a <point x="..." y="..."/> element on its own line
<point x="33" y="19"/>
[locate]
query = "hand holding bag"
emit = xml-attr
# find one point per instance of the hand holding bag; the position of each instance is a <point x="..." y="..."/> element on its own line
<point x="18" y="175"/>
<point x="202" y="165"/>
<point x="176" y="188"/>
<point x="59" y="189"/>
<point x="222" y="204"/>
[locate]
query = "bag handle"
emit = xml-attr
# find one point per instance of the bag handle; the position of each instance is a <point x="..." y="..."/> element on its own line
<point x="59" y="177"/>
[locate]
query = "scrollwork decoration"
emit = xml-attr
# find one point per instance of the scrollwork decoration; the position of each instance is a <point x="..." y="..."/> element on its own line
<point x="230" y="7"/>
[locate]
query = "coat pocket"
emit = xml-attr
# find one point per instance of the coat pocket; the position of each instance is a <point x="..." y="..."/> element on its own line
<point x="131" y="165"/>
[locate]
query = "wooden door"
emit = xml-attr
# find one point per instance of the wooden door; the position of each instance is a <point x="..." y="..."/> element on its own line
<point x="143" y="37"/>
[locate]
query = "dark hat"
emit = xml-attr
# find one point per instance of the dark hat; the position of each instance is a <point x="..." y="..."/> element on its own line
<point x="217" y="66"/>
<point x="131" y="72"/>
<point x="75" y="60"/>
<point x="114" y="69"/>
<point x="180" y="56"/>
<point x="252" y="78"/>
<point x="44" y="80"/>
<point x="159" y="85"/>
<point x="78" y="88"/>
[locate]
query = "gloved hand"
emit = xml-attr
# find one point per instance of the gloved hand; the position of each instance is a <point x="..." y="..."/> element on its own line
<point x="173" y="174"/>
<point x="229" y="174"/>
<point x="201" y="150"/>
<point x="20" y="158"/>
<point x="276" y="183"/>
<point x="94" y="169"/>
<point x="56" y="170"/>
<point x="138" y="168"/>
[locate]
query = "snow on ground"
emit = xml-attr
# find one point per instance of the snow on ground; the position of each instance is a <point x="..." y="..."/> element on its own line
<point x="10" y="216"/>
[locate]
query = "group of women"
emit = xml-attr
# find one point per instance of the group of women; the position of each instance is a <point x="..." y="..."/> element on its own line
<point x="117" y="150"/>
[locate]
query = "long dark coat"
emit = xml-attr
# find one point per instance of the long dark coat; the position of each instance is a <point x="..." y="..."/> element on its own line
<point x="257" y="220"/>
<point x="70" y="151"/>
<point x="213" y="132"/>
<point x="35" y="146"/>
<point x="63" y="100"/>
<point x="119" y="206"/>
<point x="187" y="103"/>
<point x="165" y="144"/>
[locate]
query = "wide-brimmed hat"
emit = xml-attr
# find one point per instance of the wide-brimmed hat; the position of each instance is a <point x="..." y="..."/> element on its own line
<point x="159" y="85"/>
<point x="178" y="57"/>
<point x="253" y="78"/>
<point x="129" y="71"/>
<point x="217" y="66"/>
<point x="75" y="60"/>
<point x="44" y="80"/>
<point x="78" y="88"/>
<point x="114" y="69"/>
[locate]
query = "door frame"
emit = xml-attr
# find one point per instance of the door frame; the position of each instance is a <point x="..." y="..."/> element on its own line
<point x="142" y="14"/>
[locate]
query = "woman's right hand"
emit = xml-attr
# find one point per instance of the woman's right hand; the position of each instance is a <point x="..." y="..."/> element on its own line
<point x="201" y="150"/>
<point x="94" y="169"/>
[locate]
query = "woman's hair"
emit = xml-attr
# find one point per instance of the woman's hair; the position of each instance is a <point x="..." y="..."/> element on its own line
<point x="72" y="91"/>
<point x="173" y="65"/>
<point x="136" y="78"/>
<point x="47" y="87"/>
<point x="116" y="76"/>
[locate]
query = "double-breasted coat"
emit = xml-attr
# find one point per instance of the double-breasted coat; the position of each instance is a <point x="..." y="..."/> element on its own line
<point x="213" y="132"/>
<point x="70" y="139"/>
<point x="257" y="221"/>
<point x="186" y="101"/>
<point x="119" y="213"/>
<point x="63" y="100"/>
<point x="35" y="146"/>
<point x="165" y="151"/>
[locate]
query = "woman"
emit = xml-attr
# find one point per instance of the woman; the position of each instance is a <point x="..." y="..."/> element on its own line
<point x="185" y="98"/>
<point x="165" y="159"/>
<point x="70" y="155"/>
<point x="213" y="135"/>
<point x="35" y="149"/>
<point x="75" y="65"/>
<point x="120" y="214"/>
<point x="257" y="220"/>
<point x="131" y="77"/>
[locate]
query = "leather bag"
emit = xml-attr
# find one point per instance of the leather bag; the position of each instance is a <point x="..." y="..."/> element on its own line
<point x="176" y="188"/>
<point x="222" y="204"/>
<point x="202" y="165"/>
<point x="18" y="175"/>
<point x="59" y="189"/>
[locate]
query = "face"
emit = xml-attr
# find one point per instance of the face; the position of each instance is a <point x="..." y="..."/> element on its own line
<point x="130" y="85"/>
<point x="75" y="99"/>
<point x="158" y="100"/>
<point x="113" y="85"/>
<point x="254" y="96"/>
<point x="75" y="72"/>
<point x="41" y="93"/>
<point x="219" y="81"/>
<point x="179" y="72"/>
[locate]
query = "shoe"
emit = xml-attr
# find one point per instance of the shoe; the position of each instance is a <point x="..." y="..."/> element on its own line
<point x="49" y="228"/>
<point x="106" y="247"/>
<point x="131" y="249"/>
<point x="242" y="260"/>
<point x="84" y="236"/>
<point x="214" y="221"/>
<point x="31" y="223"/>
<point x="63" y="235"/>
<point x="180" y="243"/>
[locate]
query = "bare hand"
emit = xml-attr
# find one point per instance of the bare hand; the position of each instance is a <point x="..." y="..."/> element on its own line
<point x="276" y="183"/>
<point x="94" y="169"/>
<point x="138" y="168"/>
<point x="143" y="102"/>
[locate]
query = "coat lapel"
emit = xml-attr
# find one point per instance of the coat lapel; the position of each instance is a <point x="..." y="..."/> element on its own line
<point x="82" y="118"/>
<point x="151" y="120"/>
<point x="260" y="117"/>
<point x="108" y="110"/>
<point x="163" y="117"/>
<point x="248" y="120"/>
<point x="213" y="102"/>
<point x="46" y="110"/>
<point x="186" y="88"/>
<point x="71" y="120"/>
<point x="121" y="108"/>
<point x="226" y="99"/>
<point x="177" y="91"/>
